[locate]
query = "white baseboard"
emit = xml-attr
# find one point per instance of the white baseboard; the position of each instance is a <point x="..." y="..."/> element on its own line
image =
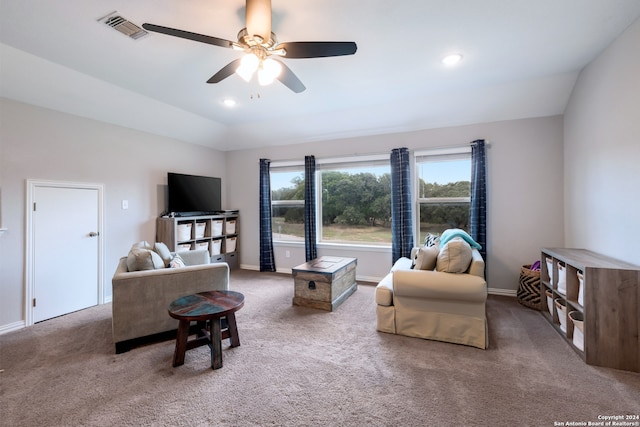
<point x="12" y="327"/>
<point x="502" y="292"/>
<point x="492" y="291"/>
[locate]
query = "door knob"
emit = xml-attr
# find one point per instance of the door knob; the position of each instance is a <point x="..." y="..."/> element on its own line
<point x="94" y="234"/>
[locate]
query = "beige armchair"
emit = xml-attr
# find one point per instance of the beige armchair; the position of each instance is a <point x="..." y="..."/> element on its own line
<point x="435" y="305"/>
<point x="141" y="298"/>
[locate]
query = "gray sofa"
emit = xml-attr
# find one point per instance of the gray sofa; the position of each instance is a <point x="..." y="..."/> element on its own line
<point x="140" y="298"/>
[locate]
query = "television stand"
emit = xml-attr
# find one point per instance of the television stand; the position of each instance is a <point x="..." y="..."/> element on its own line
<point x="194" y="213"/>
<point x="186" y="231"/>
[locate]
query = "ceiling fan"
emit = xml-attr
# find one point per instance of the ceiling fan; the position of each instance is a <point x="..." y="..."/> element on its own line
<point x="262" y="49"/>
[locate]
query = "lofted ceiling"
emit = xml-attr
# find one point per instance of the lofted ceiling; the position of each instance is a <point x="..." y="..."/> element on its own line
<point x="520" y="59"/>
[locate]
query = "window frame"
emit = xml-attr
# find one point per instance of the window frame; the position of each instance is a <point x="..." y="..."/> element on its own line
<point x="336" y="164"/>
<point x="435" y="156"/>
<point x="279" y="167"/>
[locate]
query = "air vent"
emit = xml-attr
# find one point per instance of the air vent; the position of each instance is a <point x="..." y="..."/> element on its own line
<point x="126" y="27"/>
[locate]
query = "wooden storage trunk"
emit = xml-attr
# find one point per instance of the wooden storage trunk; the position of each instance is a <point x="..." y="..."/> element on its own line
<point x="325" y="282"/>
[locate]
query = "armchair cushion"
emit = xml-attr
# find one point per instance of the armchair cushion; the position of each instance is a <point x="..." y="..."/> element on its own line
<point x="454" y="257"/>
<point x="426" y="258"/>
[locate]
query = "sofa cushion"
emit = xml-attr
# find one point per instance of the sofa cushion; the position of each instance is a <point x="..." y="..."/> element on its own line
<point x="164" y="252"/>
<point x="143" y="259"/>
<point x="455" y="256"/>
<point x="426" y="258"/>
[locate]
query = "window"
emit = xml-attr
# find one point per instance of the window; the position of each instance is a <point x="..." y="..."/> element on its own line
<point x="355" y="201"/>
<point x="287" y="203"/>
<point x="443" y="190"/>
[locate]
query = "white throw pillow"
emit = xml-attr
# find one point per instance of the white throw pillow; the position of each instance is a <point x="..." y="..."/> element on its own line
<point x="454" y="257"/>
<point x="164" y="252"/>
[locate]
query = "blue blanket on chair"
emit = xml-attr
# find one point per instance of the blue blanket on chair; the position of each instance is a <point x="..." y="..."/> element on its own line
<point x="456" y="232"/>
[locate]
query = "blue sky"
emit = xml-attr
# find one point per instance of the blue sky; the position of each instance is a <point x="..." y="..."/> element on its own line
<point x="440" y="172"/>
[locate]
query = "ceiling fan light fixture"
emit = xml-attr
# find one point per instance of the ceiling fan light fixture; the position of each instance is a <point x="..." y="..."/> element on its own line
<point x="229" y="103"/>
<point x="269" y="70"/>
<point x="248" y="66"/>
<point x="452" y="59"/>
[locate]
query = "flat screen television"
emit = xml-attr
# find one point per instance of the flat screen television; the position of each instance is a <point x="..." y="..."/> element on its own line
<point x="193" y="194"/>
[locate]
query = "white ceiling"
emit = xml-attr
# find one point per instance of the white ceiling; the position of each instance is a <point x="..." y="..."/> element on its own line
<point x="521" y="59"/>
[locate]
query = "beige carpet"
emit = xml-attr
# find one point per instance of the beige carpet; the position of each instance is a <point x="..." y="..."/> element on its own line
<point x="303" y="367"/>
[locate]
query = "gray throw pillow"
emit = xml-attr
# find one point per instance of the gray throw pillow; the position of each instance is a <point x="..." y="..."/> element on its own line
<point x="143" y="259"/>
<point x="426" y="258"/>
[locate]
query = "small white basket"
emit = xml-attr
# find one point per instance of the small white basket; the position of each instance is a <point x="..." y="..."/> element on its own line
<point x="549" y="295"/>
<point x="215" y="247"/>
<point x="183" y="248"/>
<point x="200" y="226"/>
<point x="549" y="262"/>
<point x="580" y="288"/>
<point x="230" y="244"/>
<point x="562" y="314"/>
<point x="578" y="329"/>
<point x="184" y="232"/>
<point x="230" y="226"/>
<point x="202" y="245"/>
<point x="562" y="279"/>
<point x="216" y="227"/>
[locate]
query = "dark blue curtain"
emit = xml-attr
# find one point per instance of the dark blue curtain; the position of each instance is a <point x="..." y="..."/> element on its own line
<point x="401" y="218"/>
<point x="311" y="250"/>
<point x="267" y="261"/>
<point x="478" y="210"/>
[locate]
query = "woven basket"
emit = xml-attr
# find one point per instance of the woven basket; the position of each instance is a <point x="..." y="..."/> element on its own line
<point x="529" y="288"/>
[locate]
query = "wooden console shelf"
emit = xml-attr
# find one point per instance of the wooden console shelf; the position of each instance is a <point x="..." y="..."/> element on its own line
<point x="608" y="301"/>
<point x="217" y="233"/>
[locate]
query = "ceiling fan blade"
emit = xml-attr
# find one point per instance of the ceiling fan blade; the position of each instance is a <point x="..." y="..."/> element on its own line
<point x="258" y="17"/>
<point x="225" y="72"/>
<point x="187" y="35"/>
<point x="317" y="49"/>
<point x="289" y="79"/>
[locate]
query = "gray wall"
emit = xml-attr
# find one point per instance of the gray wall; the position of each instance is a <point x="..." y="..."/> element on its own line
<point x="36" y="143"/>
<point x="525" y="193"/>
<point x="528" y="206"/>
<point x="602" y="153"/>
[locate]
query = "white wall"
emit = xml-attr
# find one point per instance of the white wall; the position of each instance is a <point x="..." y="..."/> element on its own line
<point x="602" y="153"/>
<point x="525" y="192"/>
<point x="36" y="143"/>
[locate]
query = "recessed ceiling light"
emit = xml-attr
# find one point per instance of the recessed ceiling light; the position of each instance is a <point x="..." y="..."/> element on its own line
<point x="228" y="102"/>
<point x="452" y="59"/>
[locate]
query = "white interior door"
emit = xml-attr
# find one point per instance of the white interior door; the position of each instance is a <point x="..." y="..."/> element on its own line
<point x="65" y="225"/>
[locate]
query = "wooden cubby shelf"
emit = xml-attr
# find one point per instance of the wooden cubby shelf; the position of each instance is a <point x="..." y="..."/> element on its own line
<point x="217" y="233"/>
<point x="607" y="299"/>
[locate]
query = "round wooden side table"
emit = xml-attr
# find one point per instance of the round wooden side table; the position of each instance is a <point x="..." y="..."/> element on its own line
<point x="207" y="309"/>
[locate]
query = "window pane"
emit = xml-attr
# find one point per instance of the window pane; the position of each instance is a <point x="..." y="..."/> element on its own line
<point x="437" y="217"/>
<point x="287" y="222"/>
<point x="450" y="178"/>
<point x="356" y="205"/>
<point x="287" y="205"/>
<point x="444" y="191"/>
